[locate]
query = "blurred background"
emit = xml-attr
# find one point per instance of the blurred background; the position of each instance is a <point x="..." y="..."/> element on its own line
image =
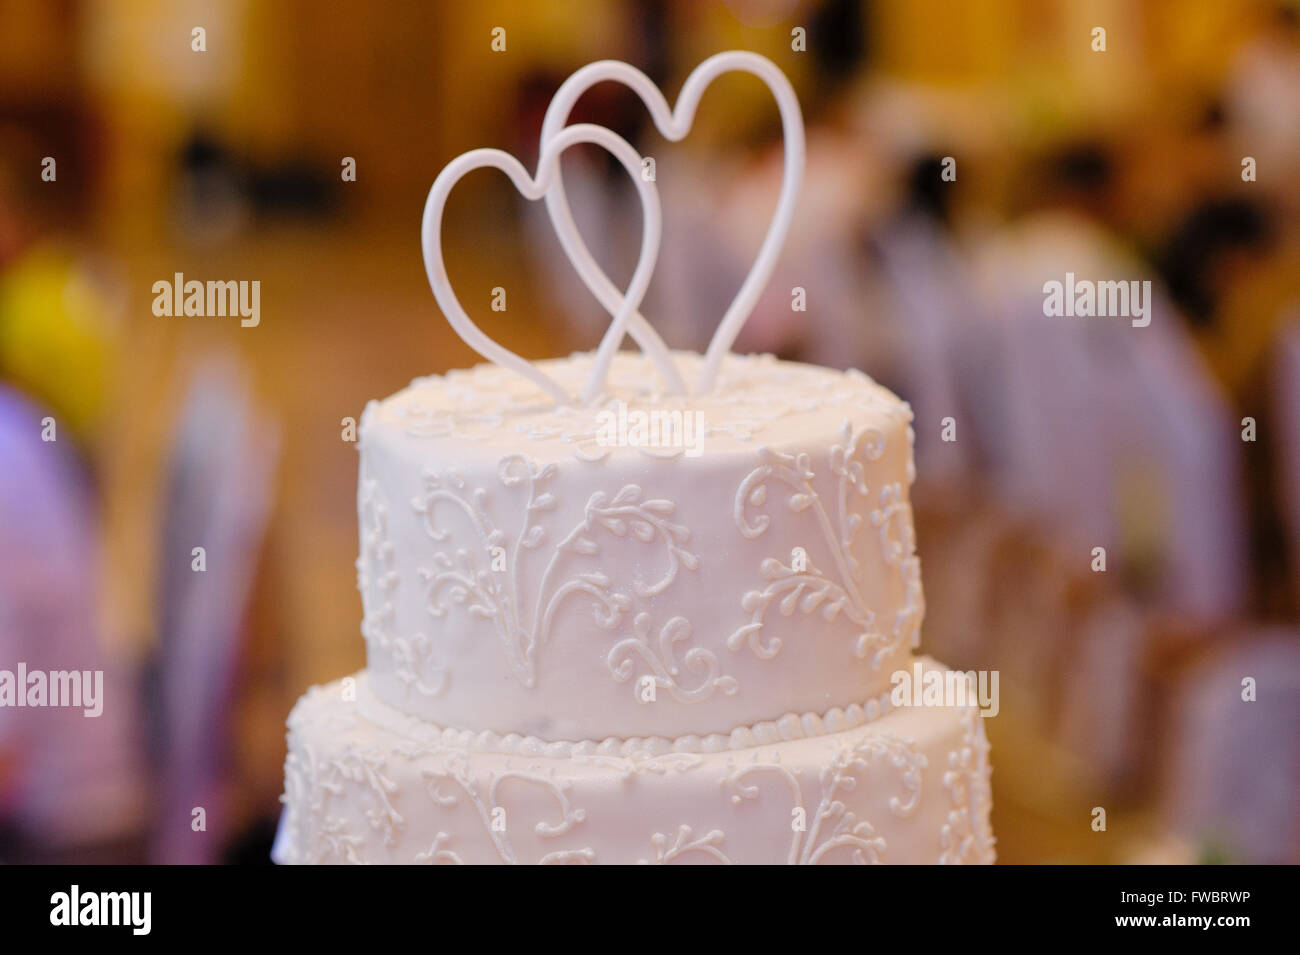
<point x="1120" y="689"/>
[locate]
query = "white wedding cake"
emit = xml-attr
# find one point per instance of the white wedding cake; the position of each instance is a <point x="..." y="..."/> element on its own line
<point x="647" y="627"/>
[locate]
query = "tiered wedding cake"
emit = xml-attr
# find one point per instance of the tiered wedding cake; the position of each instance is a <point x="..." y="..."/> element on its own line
<point x="648" y="626"/>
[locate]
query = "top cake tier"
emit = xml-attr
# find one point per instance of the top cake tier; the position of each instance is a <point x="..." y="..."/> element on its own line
<point x="649" y="566"/>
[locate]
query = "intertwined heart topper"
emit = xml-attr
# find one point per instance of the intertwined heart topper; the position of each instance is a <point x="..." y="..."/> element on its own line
<point x="674" y="124"/>
<point x="624" y="306"/>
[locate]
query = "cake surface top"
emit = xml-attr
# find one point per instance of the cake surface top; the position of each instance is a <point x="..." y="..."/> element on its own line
<point x="758" y="400"/>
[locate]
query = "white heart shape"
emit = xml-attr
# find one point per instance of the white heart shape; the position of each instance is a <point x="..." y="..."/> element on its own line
<point x="674" y="124"/>
<point x="534" y="188"/>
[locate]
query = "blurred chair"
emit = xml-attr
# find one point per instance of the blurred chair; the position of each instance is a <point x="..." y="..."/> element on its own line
<point x="1115" y="435"/>
<point x="1233" y="783"/>
<point x="1102" y="699"/>
<point x="219" y="490"/>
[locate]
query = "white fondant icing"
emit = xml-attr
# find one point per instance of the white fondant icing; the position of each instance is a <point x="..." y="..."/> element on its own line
<point x="791" y="726"/>
<point x="910" y="787"/>
<point x="532" y="586"/>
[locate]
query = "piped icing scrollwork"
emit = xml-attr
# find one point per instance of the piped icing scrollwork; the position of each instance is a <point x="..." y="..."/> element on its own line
<point x="837" y="594"/>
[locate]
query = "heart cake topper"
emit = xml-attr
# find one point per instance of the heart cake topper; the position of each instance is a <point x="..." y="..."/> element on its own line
<point x="675" y="124"/>
<point x="624" y="306"/>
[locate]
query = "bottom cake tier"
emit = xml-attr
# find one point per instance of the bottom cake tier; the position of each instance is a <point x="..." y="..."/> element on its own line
<point x="367" y="784"/>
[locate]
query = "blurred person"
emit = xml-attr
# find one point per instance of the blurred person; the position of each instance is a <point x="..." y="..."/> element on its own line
<point x="69" y="783"/>
<point x="1233" y="266"/>
<point x="925" y="311"/>
<point x="1206" y="251"/>
<point x="601" y="197"/>
<point x="1114" y="435"/>
<point x="845" y="188"/>
<point x="823" y="253"/>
